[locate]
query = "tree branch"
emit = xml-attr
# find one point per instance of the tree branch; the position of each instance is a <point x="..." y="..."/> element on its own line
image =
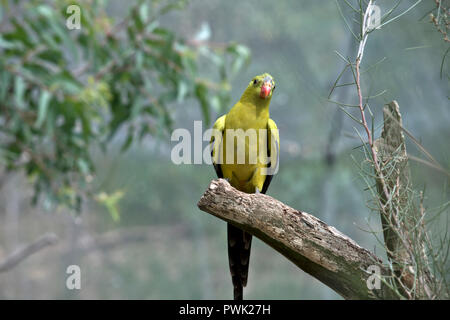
<point x="315" y="247"/>
<point x="22" y="253"/>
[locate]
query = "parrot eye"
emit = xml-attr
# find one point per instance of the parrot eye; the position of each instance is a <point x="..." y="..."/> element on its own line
<point x="255" y="82"/>
<point x="273" y="88"/>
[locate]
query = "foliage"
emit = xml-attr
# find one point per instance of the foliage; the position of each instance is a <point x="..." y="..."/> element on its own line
<point x="63" y="93"/>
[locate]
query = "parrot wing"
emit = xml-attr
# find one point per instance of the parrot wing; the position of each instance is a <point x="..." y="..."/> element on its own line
<point x="273" y="152"/>
<point x="215" y="144"/>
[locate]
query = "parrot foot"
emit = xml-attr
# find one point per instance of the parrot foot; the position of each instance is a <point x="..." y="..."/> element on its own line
<point x="257" y="190"/>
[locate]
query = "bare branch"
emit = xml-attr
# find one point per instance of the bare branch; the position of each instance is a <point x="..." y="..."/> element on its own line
<point x="22" y="253"/>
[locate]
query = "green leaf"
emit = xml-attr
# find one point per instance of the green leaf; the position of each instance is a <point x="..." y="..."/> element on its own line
<point x="182" y="91"/>
<point x="127" y="144"/>
<point x="111" y="202"/>
<point x="241" y="56"/>
<point x="138" y="23"/>
<point x="143" y="12"/>
<point x="44" y="100"/>
<point x="201" y="92"/>
<point x="215" y="103"/>
<point x="139" y="59"/>
<point x="51" y="55"/>
<point x="45" y="10"/>
<point x="4" y="84"/>
<point x="50" y="41"/>
<point x="6" y="44"/>
<point x="20" y="33"/>
<point x="83" y="166"/>
<point x="19" y="90"/>
<point x="66" y="82"/>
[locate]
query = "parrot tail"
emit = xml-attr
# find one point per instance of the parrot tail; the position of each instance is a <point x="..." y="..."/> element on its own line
<point x="239" y="246"/>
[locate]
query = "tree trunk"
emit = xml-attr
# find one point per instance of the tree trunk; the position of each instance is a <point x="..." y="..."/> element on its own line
<point x="403" y="227"/>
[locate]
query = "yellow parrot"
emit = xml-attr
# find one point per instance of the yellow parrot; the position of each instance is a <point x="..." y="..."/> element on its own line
<point x="251" y="138"/>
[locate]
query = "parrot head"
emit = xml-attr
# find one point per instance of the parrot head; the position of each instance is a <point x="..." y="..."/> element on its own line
<point x="262" y="86"/>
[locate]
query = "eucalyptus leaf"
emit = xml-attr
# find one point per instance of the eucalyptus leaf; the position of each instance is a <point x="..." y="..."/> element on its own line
<point x="19" y="91"/>
<point x="44" y="100"/>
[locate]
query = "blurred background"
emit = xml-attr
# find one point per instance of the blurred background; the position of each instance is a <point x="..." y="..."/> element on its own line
<point x="121" y="209"/>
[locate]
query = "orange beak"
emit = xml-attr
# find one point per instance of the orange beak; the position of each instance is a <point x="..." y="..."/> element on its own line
<point x="265" y="90"/>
